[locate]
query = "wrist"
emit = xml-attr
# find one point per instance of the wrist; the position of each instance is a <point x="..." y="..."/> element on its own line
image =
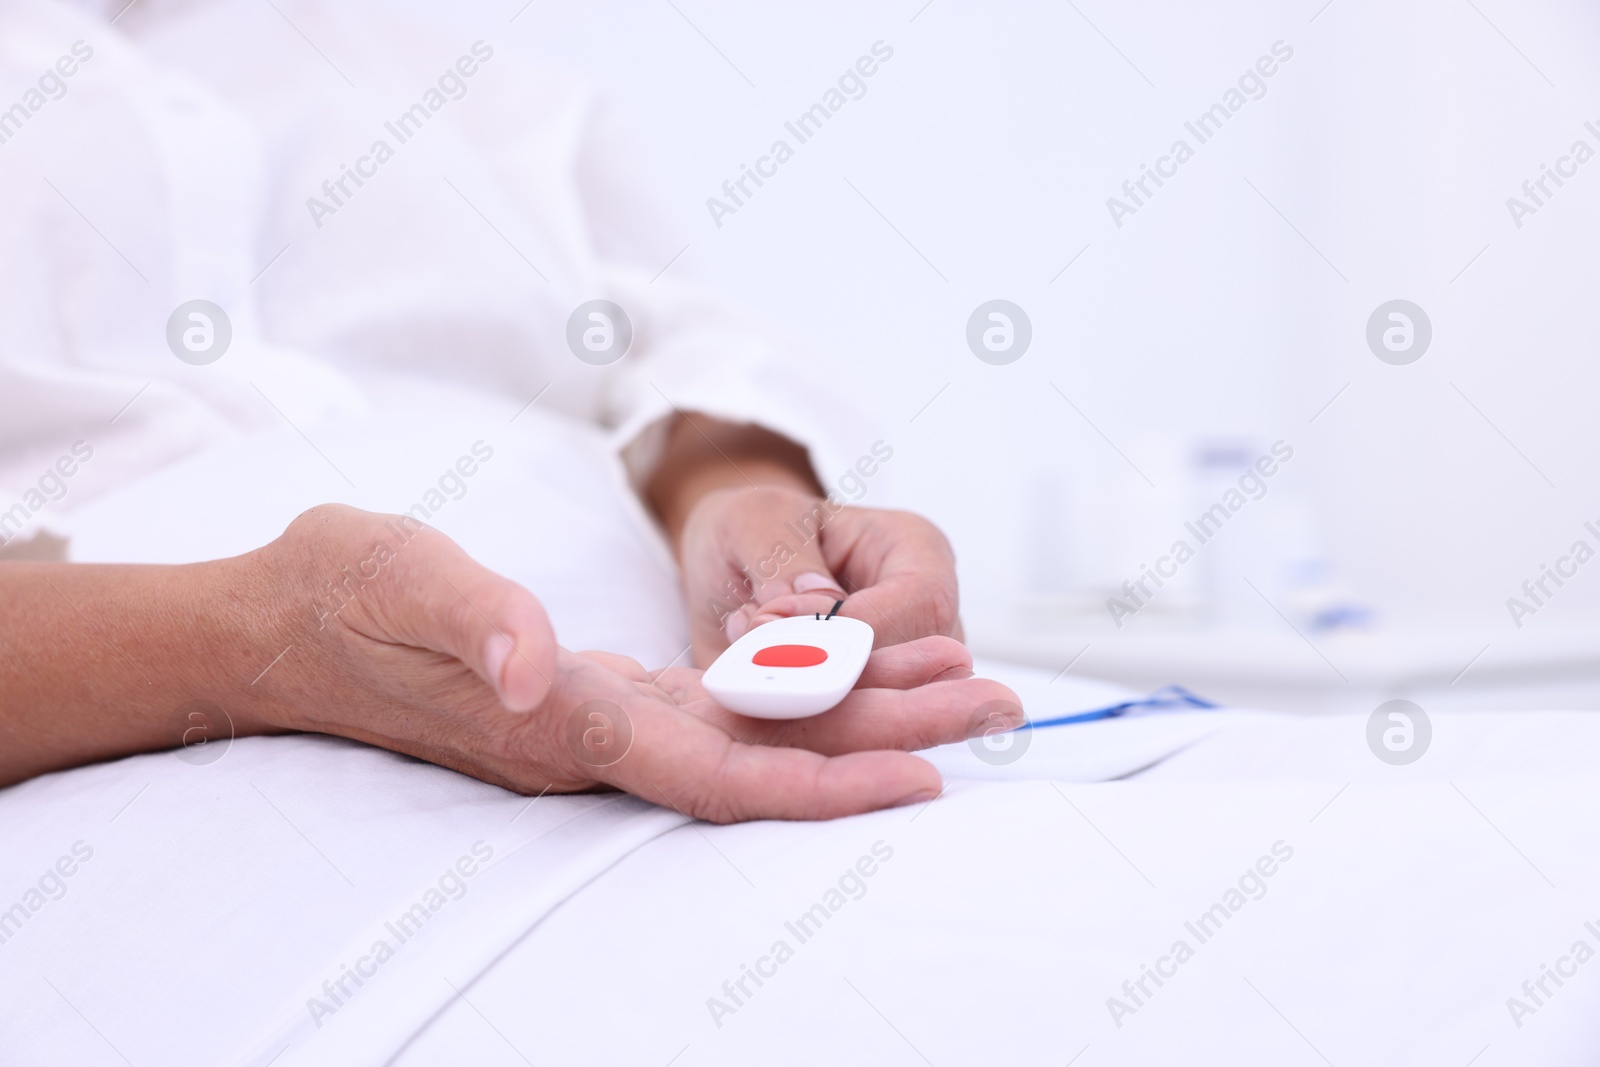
<point x="703" y="456"/>
<point x="216" y="629"/>
<point x="248" y="641"/>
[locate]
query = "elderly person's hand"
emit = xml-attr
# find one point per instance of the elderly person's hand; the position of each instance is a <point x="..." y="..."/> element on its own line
<point x="757" y="540"/>
<point x="744" y="565"/>
<point x="389" y="633"/>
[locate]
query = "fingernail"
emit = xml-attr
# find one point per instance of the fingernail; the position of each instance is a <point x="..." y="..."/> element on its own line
<point x="762" y="620"/>
<point x="997" y="716"/>
<point x="735" y="626"/>
<point x="495" y="654"/>
<point x="921" y="796"/>
<point x="812" y="582"/>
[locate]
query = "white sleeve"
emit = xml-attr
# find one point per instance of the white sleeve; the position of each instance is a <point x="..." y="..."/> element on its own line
<point x="693" y="350"/>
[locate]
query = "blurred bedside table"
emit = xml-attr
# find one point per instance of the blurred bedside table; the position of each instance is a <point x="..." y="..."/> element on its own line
<point x="1347" y="671"/>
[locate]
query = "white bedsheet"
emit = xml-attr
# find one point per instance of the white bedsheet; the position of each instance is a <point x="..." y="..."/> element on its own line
<point x="217" y="899"/>
<point x="1010" y="914"/>
<point x="220" y="898"/>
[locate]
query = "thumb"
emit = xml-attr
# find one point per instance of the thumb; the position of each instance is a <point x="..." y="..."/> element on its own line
<point x="519" y="658"/>
<point x="491" y="624"/>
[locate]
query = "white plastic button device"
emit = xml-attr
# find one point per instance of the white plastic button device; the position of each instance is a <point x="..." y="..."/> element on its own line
<point x="791" y="668"/>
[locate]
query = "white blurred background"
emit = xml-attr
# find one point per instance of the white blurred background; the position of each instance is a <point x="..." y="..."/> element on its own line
<point x="1228" y="313"/>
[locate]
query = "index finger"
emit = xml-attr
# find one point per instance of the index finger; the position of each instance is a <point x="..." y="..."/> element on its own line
<point x="899" y="571"/>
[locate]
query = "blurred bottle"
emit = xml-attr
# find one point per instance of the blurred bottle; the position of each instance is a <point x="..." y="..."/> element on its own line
<point x="1270" y="541"/>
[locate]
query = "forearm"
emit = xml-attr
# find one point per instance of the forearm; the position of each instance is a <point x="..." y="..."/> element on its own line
<point x="704" y="454"/>
<point x="101" y="660"/>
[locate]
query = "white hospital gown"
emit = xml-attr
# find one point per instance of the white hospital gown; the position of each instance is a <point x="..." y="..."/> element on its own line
<point x="197" y="152"/>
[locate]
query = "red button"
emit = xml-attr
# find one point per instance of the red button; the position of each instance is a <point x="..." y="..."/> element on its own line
<point x="789" y="656"/>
